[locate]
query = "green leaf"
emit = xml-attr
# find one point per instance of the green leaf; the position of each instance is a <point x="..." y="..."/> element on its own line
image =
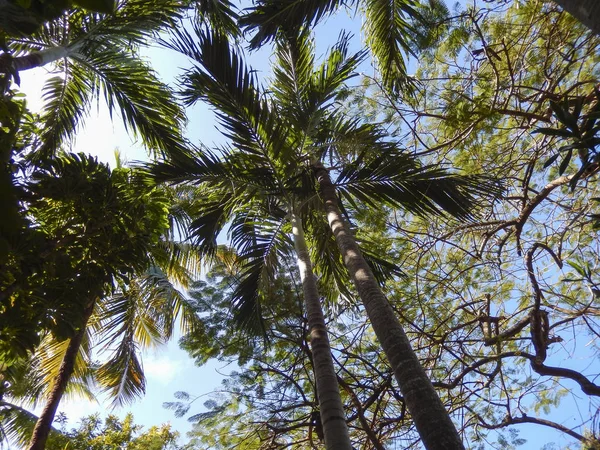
<point x="551" y="160"/>
<point x="554" y="132"/>
<point x="565" y="162"/>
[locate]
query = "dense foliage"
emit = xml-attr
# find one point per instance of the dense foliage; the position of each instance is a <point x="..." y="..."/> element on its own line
<point x="466" y="177"/>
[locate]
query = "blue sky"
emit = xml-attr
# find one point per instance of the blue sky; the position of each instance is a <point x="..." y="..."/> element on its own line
<point x="168" y="369"/>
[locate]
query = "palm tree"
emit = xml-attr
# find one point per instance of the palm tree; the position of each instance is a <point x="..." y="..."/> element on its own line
<point x="94" y="53"/>
<point x="257" y="189"/>
<point x="586" y="11"/>
<point x="374" y="172"/>
<point x="113" y="225"/>
<point x="388" y="27"/>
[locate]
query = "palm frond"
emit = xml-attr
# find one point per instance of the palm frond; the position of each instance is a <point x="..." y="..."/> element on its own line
<point x="220" y="16"/>
<point x="333" y="280"/>
<point x="67" y="102"/>
<point x="268" y="17"/>
<point x="304" y="91"/>
<point x="168" y="304"/>
<point x="344" y="138"/>
<point x="383" y="269"/>
<point x="222" y="79"/>
<point x="261" y="245"/>
<point x="134" y="22"/>
<point x="122" y="376"/>
<point x="124" y="325"/>
<point x="16" y="424"/>
<point x="336" y="69"/>
<point x="396" y="179"/>
<point x="147" y="106"/>
<point x="388" y="30"/>
<point x="292" y="72"/>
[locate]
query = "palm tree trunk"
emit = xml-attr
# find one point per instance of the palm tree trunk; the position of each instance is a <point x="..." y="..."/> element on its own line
<point x="333" y="419"/>
<point x="586" y="11"/>
<point x="431" y="418"/>
<point x="67" y="366"/>
<point x="8" y="64"/>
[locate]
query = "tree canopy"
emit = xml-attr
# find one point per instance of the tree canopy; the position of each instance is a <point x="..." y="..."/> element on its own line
<point x="441" y="214"/>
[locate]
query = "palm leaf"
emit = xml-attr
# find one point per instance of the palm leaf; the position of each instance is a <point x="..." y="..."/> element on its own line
<point x="220" y="16"/>
<point x="48" y="359"/>
<point x="388" y="30"/>
<point x="16" y="424"/>
<point x="261" y="245"/>
<point x="168" y="304"/>
<point x="67" y="102"/>
<point x="146" y="105"/>
<point x="304" y="91"/>
<point x="122" y="375"/>
<point x="222" y="79"/>
<point x="268" y="17"/>
<point x="395" y="179"/>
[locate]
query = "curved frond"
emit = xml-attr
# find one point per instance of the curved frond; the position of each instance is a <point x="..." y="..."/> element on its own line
<point x="166" y="305"/>
<point x="304" y="91"/>
<point x="147" y="106"/>
<point x="268" y="17"/>
<point x="388" y="31"/>
<point x="396" y="179"/>
<point x="48" y="359"/>
<point x="16" y="424"/>
<point x="222" y="79"/>
<point x="220" y="16"/>
<point x="122" y="375"/>
<point x="67" y="102"/>
<point x="261" y="245"/>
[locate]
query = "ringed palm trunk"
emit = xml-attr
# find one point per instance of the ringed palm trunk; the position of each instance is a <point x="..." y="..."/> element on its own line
<point x="333" y="419"/>
<point x="43" y="426"/>
<point x="428" y="412"/>
<point x="586" y="11"/>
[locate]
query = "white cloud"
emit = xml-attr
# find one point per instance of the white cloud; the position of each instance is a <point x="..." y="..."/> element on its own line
<point x="162" y="369"/>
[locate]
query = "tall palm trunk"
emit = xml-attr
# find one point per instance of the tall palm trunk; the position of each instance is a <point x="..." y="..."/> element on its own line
<point x="67" y="367"/>
<point x="8" y="64"/>
<point x="586" y="11"/>
<point x="431" y="418"/>
<point x="333" y="419"/>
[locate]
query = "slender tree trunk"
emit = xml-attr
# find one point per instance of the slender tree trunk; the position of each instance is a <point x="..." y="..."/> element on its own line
<point x="8" y="64"/>
<point x="586" y="11"/>
<point x="44" y="424"/>
<point x="328" y="391"/>
<point x="431" y="418"/>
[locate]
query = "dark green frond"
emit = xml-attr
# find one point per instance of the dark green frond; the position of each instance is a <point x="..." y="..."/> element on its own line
<point x="268" y="17"/>
<point x="16" y="424"/>
<point x="388" y="30"/>
<point x="334" y="282"/>
<point x="396" y="179"/>
<point x="292" y="73"/>
<point x="147" y="106"/>
<point x="336" y="69"/>
<point x="382" y="268"/>
<point x="262" y="245"/>
<point x="195" y="167"/>
<point x="67" y="102"/>
<point x="222" y="79"/>
<point x="219" y="15"/>
<point x="304" y="91"/>
<point x="344" y="138"/>
<point x="134" y="22"/>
